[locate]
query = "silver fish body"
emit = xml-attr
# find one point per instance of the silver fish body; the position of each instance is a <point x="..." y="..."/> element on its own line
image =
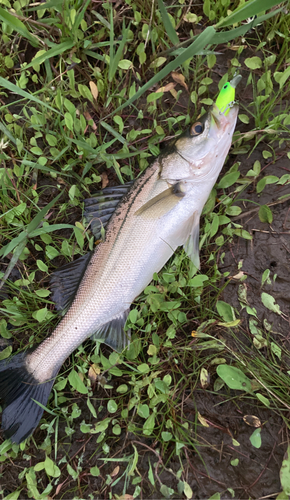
<point x="160" y="212"/>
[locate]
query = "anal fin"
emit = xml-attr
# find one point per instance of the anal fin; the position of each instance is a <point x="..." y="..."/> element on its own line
<point x="113" y="333"/>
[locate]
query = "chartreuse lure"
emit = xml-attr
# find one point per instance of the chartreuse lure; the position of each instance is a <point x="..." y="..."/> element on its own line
<point x="227" y="95"/>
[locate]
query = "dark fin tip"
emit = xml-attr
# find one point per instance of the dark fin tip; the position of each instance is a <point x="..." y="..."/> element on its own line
<point x="18" y="389"/>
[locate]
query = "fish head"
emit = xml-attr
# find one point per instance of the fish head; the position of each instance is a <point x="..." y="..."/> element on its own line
<point x="201" y="151"/>
<point x="206" y="144"/>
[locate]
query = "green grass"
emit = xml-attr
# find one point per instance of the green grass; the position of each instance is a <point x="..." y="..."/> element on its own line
<point x="79" y="108"/>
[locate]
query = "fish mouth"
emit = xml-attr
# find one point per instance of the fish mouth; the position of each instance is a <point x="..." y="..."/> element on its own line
<point x="220" y="122"/>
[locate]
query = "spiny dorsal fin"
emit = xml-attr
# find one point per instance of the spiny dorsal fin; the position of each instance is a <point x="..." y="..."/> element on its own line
<point x="100" y="208"/>
<point x="65" y="281"/>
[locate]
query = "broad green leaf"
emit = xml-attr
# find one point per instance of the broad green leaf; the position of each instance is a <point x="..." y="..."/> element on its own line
<point x="282" y="77"/>
<point x="243" y="234"/>
<point x="6" y="352"/>
<point x="187" y="490"/>
<point x="253" y="62"/>
<point x="265" y="214"/>
<point x="263" y="400"/>
<point x="77" y="383"/>
<point x="228" y="179"/>
<point x="268" y="179"/>
<point x="233" y="210"/>
<point x="125" y="64"/>
<point x="198" y="280"/>
<point x="102" y="426"/>
<point x="265" y="277"/>
<point x="225" y="311"/>
<point x="95" y="471"/>
<point x="51" y="468"/>
<point x="149" y="424"/>
<point x="143" y="368"/>
<point x="276" y="350"/>
<point x="256" y="439"/>
<point x="143" y="411"/>
<point x="234" y="378"/>
<point x="270" y="303"/>
<point x="112" y="406"/>
<point x="215" y="496"/>
<point x="40" y="315"/>
<point x="159" y="61"/>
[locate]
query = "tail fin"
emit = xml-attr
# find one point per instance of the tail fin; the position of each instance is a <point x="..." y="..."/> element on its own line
<point x="18" y="389"/>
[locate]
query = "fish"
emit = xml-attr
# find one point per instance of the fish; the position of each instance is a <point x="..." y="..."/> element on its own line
<point x="144" y="222"/>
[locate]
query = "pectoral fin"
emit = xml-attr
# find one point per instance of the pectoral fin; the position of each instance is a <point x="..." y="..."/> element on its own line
<point x="162" y="203"/>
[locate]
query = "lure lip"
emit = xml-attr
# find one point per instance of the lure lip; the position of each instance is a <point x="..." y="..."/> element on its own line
<point x="235" y="81"/>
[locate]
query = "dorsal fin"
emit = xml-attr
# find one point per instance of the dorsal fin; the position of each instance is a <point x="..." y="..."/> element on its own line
<point x="100" y="208"/>
<point x="65" y="281"/>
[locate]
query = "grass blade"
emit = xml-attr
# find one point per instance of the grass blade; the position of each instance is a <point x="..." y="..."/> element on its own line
<point x="18" y="26"/>
<point x="249" y="9"/>
<point x="13" y="260"/>
<point x="17" y="90"/>
<point x="114" y="63"/>
<point x="111" y="38"/>
<point x="226" y="36"/>
<point x="7" y="133"/>
<point x="113" y="132"/>
<point x="81" y="15"/>
<point x="90" y="53"/>
<point x="55" y="51"/>
<point x="172" y="35"/>
<point x="50" y="229"/>
<point x="199" y="43"/>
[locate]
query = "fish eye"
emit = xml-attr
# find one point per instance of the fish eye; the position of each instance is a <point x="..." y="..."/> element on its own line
<point x="196" y="128"/>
